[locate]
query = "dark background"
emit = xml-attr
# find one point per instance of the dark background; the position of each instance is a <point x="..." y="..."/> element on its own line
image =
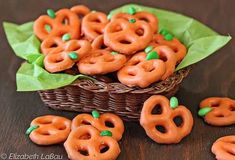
<point x="214" y="76"/>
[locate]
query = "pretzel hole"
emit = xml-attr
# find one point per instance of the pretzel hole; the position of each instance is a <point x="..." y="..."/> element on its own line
<point x="144" y="19"/>
<point x="125" y="41"/>
<point x="86" y="136"/>
<point x="109" y="124"/>
<point x="45" y="133"/>
<point x="65" y="21"/>
<point x="178" y="121"/>
<point x="219" y="115"/>
<point x="131" y="73"/>
<point x="83" y="152"/>
<point x="96" y="20"/>
<point x="139" y="32"/>
<point x="231" y="152"/>
<point x="99" y="32"/>
<point x="163" y="57"/>
<point x="74" y="47"/>
<point x="117" y="28"/>
<point x="148" y="68"/>
<point x="84" y="122"/>
<point x="104" y="148"/>
<point x="232" y="108"/>
<point x="58" y="59"/>
<point x="161" y="128"/>
<point x="62" y="127"/>
<point x="157" y="109"/>
<point x="215" y="104"/>
<point x="54" y="45"/>
<point x="135" y="62"/>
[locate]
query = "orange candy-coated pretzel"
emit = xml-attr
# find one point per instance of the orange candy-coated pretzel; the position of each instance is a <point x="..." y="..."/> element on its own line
<point x="172" y="132"/>
<point x="51" y="130"/>
<point x="50" y="44"/>
<point x="224" y="148"/>
<point x="222" y="113"/>
<point x="167" y="54"/>
<point x="93" y="24"/>
<point x="85" y="143"/>
<point x="141" y="72"/>
<point x="101" y="123"/>
<point x="98" y="43"/>
<point x="101" y="61"/>
<point x="58" y="58"/>
<point x="80" y="10"/>
<point x="144" y="16"/>
<point x="126" y="37"/>
<point x="179" y="49"/>
<point x="65" y="22"/>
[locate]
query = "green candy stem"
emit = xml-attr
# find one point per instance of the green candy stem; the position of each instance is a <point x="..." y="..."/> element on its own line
<point x="148" y="49"/>
<point x="132" y="20"/>
<point x="51" y="13"/>
<point x="174" y="103"/>
<point x="114" y="53"/>
<point x="168" y="37"/>
<point x="132" y="10"/>
<point x="66" y="37"/>
<point x="164" y="32"/>
<point x="106" y="133"/>
<point x="95" y="114"/>
<point x="152" y="55"/>
<point x="31" y="129"/>
<point x="73" y="55"/>
<point x="203" y="111"/>
<point x="109" y="16"/>
<point x="47" y="28"/>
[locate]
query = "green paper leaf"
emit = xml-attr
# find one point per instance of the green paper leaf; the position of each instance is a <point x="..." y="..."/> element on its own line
<point x="200" y="40"/>
<point x="31" y="77"/>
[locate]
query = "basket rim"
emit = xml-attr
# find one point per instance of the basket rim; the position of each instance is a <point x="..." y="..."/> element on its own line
<point x="97" y="86"/>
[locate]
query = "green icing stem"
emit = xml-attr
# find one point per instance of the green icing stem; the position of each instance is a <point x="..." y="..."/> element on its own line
<point x="51" y="13"/>
<point x="66" y="37"/>
<point x="168" y="37"/>
<point x="132" y="20"/>
<point x="203" y="111"/>
<point x="31" y="129"/>
<point x="148" y="49"/>
<point x="152" y="55"/>
<point x="73" y="55"/>
<point x="95" y="114"/>
<point x="106" y="133"/>
<point x="132" y="10"/>
<point x="174" y="102"/>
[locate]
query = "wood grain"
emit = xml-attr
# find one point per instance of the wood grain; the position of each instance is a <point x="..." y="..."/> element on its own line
<point x="214" y="76"/>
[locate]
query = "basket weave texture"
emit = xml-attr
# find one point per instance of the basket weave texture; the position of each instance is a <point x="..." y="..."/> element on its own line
<point x="127" y="102"/>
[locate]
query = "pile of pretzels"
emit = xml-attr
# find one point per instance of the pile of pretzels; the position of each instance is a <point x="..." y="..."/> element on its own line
<point x="128" y="45"/>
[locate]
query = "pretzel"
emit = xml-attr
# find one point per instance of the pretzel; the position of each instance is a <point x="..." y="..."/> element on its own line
<point x="223" y="148"/>
<point x="98" y="43"/>
<point x="101" y="61"/>
<point x="49" y="130"/>
<point x="140" y="72"/>
<point x="127" y="38"/>
<point x="101" y="123"/>
<point x="65" y="22"/>
<point x="58" y="58"/>
<point x="179" y="49"/>
<point x="93" y="24"/>
<point x="86" y="143"/>
<point x="221" y="111"/>
<point x="144" y="16"/>
<point x="50" y="44"/>
<point x="167" y="54"/>
<point x="80" y="10"/>
<point x="172" y="132"/>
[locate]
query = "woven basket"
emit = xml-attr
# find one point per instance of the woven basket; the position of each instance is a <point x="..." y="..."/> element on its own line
<point x="87" y="95"/>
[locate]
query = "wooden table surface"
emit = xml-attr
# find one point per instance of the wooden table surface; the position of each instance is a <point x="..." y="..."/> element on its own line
<point x="214" y="76"/>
